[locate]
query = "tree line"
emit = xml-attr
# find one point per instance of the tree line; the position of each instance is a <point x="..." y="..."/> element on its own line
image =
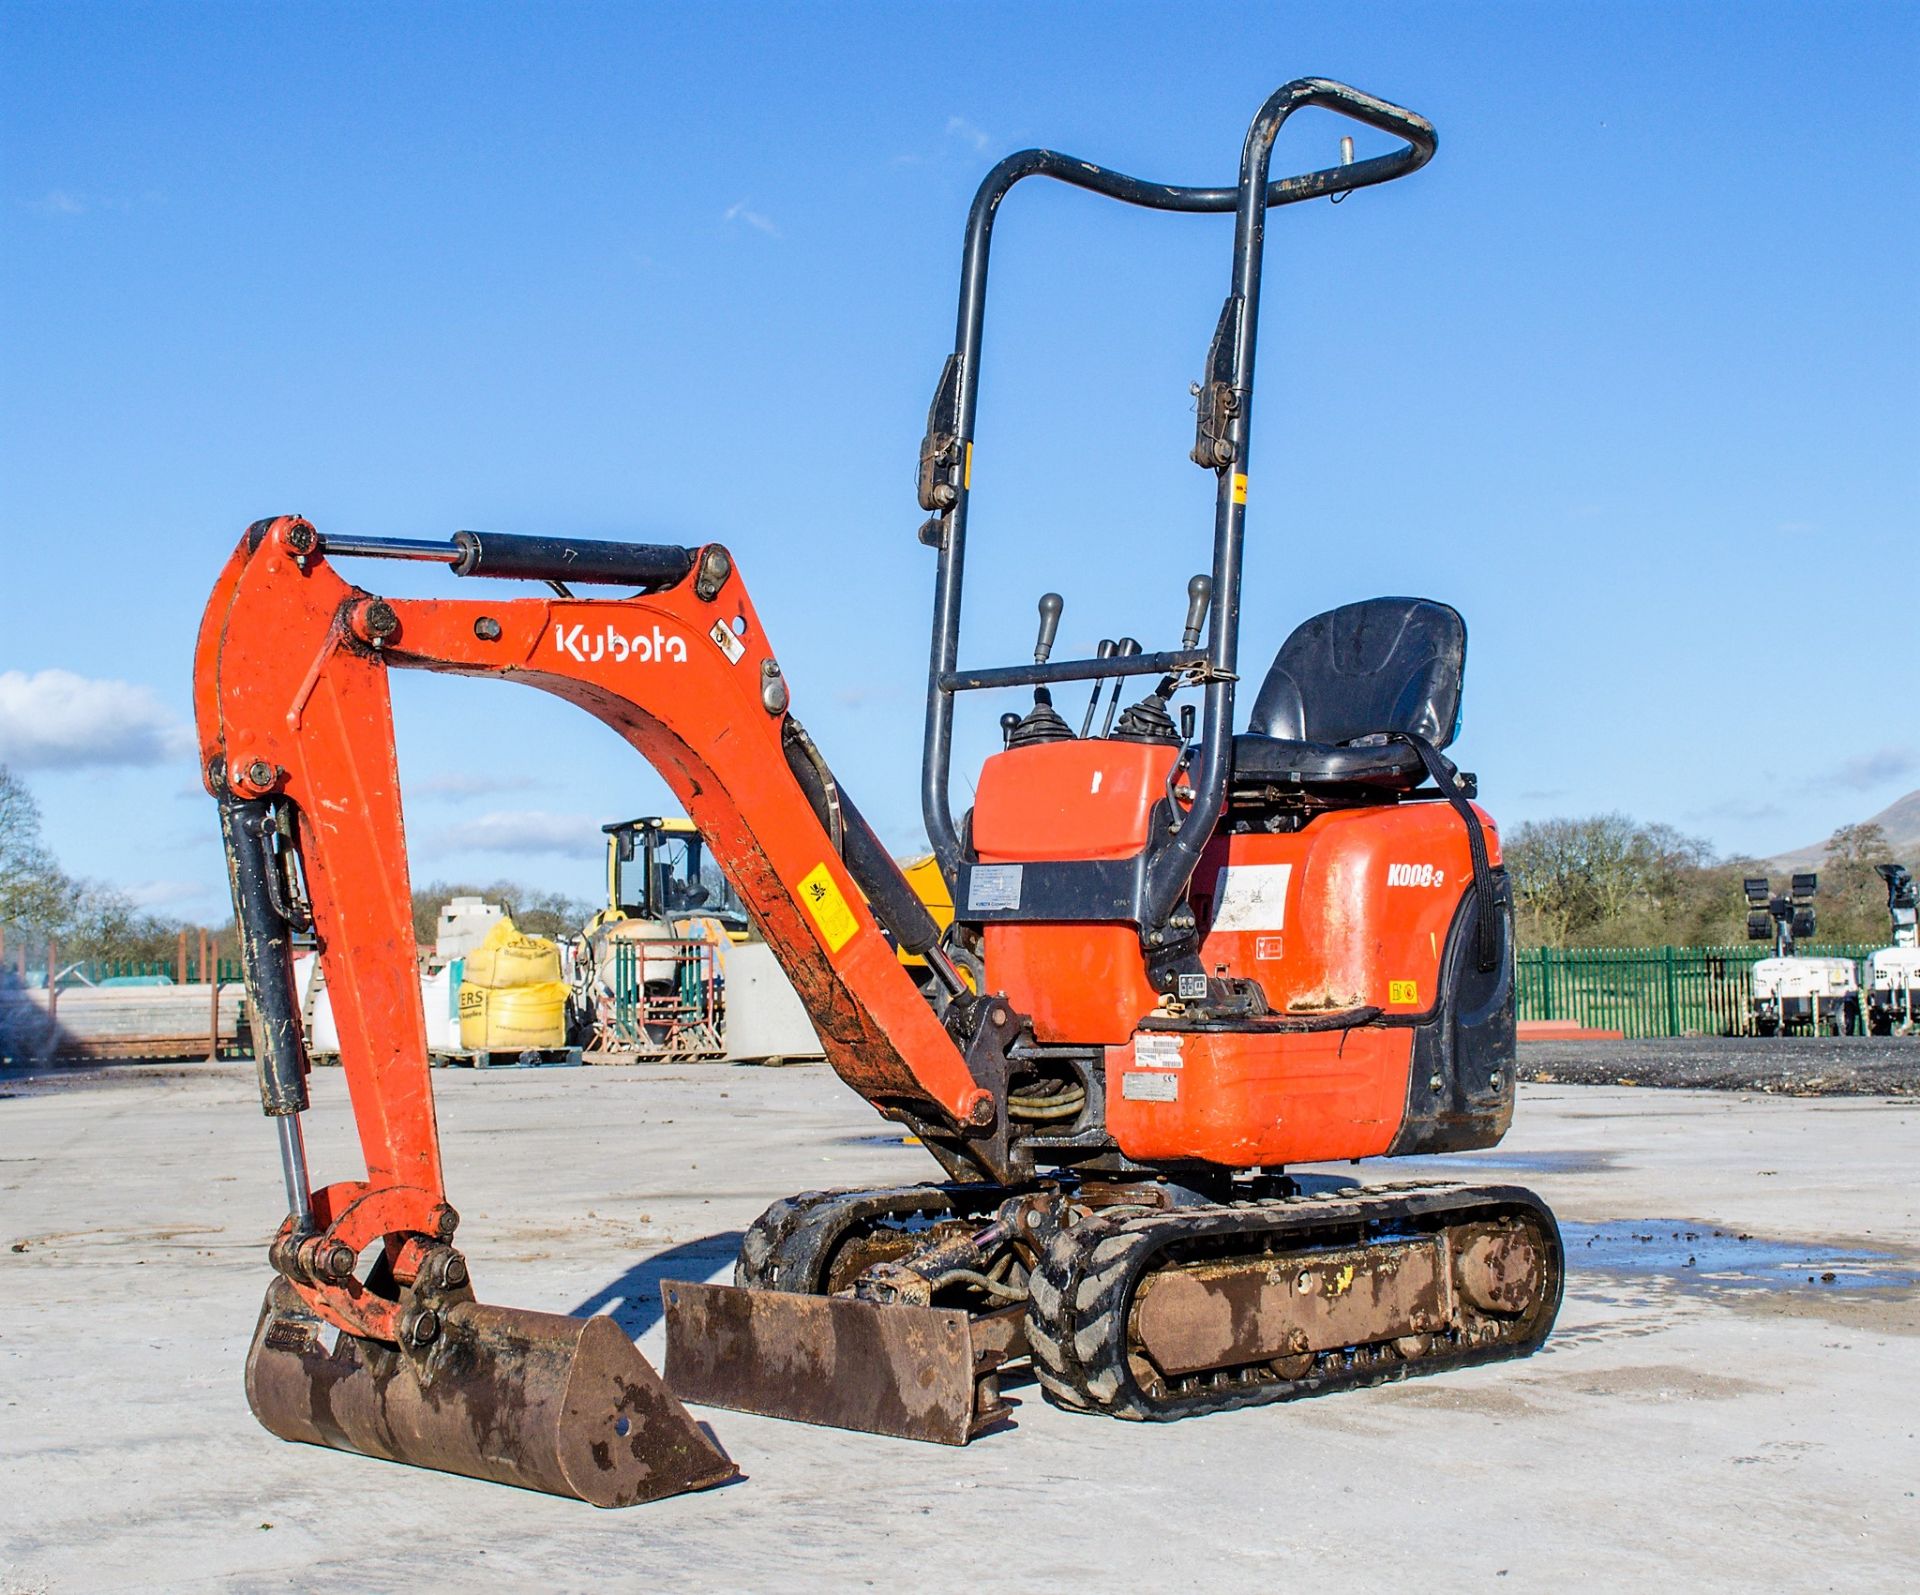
<point x="40" y="902"/>
<point x="1611" y="881"/>
<point x="1603" y="881"/>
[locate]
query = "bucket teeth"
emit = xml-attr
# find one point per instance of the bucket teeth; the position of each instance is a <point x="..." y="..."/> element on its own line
<point x="539" y="1400"/>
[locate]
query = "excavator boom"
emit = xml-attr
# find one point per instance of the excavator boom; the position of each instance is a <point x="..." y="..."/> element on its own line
<point x="296" y="737"/>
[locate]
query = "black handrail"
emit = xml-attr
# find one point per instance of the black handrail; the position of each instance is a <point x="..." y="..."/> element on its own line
<point x="945" y="485"/>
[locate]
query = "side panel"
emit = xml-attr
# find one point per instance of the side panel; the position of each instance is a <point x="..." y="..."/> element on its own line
<point x="1067" y="800"/>
<point x="1083" y="984"/>
<point x="1243" y="1100"/>
<point x="1365" y="908"/>
<point x="1353" y="911"/>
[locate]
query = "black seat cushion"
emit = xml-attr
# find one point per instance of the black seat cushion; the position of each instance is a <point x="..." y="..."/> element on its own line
<point x="1279" y="761"/>
<point x="1347" y="679"/>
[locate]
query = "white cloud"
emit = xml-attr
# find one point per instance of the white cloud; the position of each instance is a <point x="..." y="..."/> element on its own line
<point x="959" y="127"/>
<point x="466" y="784"/>
<point x="58" y="202"/>
<point x="171" y="894"/>
<point x="56" y="720"/>
<point x="528" y="831"/>
<point x="741" y="211"/>
<point x="1879" y="767"/>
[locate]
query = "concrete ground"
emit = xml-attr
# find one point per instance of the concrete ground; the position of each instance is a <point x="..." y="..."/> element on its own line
<point x="1713" y="1412"/>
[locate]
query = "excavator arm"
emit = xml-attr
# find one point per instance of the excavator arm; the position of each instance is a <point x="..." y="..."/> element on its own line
<point x="296" y="740"/>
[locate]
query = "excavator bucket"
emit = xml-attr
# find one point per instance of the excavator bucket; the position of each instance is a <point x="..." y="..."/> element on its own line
<point x="922" y="1373"/>
<point x="538" y="1400"/>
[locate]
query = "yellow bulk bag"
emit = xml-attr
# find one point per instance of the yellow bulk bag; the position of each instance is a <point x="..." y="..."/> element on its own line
<point x="513" y="1018"/>
<point x="507" y="958"/>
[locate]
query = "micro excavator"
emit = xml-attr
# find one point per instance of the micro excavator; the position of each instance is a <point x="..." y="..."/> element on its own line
<point x="1185" y="958"/>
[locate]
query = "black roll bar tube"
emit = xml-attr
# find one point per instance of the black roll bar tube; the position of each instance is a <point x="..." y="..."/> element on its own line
<point x="945" y="492"/>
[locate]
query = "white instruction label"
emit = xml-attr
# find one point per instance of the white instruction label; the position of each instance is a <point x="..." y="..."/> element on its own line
<point x="1251" y="897"/>
<point x="1150" y="1087"/>
<point x="1159" y="1050"/>
<point x="991" y="886"/>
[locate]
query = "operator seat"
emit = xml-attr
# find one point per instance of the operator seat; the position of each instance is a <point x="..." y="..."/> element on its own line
<point x="1342" y="684"/>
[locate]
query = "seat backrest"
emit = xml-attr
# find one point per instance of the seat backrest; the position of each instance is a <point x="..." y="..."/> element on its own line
<point x="1386" y="664"/>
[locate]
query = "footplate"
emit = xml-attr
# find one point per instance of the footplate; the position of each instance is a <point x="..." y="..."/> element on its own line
<point x="538" y="1400"/>
<point x="921" y="1373"/>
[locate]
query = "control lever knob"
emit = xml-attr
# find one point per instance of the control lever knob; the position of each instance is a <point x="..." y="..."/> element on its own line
<point x="1050" y="606"/>
<point x="1199" y="596"/>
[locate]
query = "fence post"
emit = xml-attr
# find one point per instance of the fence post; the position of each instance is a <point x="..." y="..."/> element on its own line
<point x="1546" y="983"/>
<point x="1673" y="995"/>
<point x="53" y="997"/>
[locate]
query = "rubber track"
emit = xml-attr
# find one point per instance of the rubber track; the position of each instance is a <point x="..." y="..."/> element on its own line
<point x="1080" y="1298"/>
<point x="791" y="1245"/>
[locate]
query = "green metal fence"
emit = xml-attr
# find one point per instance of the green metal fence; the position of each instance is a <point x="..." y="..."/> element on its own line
<point x="122" y="971"/>
<point x="1647" y="991"/>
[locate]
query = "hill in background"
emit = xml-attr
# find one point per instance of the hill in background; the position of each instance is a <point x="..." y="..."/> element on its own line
<point x="1899" y="821"/>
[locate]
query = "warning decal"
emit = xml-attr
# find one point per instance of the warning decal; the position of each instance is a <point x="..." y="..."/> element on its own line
<point x="726" y="642"/>
<point x="831" y="916"/>
<point x="1403" y="991"/>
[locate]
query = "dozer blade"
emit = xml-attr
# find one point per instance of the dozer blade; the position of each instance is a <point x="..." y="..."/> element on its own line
<point x="538" y="1400"/>
<point x="922" y="1373"/>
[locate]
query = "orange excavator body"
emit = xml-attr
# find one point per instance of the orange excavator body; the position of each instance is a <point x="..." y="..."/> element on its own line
<point x="1181" y="958"/>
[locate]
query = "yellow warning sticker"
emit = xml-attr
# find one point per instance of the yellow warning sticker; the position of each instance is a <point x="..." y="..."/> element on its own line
<point x="1407" y="991"/>
<point x="966" y="470"/>
<point x="831" y="915"/>
<point x="1239" y="487"/>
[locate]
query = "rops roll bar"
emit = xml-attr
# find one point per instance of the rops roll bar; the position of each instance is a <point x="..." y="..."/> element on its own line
<point x="1225" y="412"/>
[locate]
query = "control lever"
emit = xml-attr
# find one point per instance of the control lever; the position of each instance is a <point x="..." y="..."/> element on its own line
<point x="1104" y="651"/>
<point x="1148" y="720"/>
<point x="1050" y="606"/>
<point x="1125" y="649"/>
<point x="1199" y="596"/>
<point x="1176" y="783"/>
<point x="1043" y="722"/>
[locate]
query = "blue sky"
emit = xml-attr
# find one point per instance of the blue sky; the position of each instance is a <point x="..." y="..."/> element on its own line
<point x="1629" y="374"/>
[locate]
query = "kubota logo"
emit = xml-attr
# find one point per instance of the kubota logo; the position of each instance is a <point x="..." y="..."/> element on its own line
<point x="1415" y="875"/>
<point x="591" y="647"/>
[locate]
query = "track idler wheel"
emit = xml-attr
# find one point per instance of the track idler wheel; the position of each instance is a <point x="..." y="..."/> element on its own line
<point x="538" y="1400"/>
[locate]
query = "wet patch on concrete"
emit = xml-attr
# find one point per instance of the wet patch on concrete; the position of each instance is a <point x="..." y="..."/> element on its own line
<point x="1464" y="1165"/>
<point x="1698" y="1256"/>
<point x="1440" y="1396"/>
<point x="1660" y="1382"/>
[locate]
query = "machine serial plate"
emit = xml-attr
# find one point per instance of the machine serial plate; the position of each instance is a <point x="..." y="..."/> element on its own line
<point x="1140" y="1087"/>
<point x="991" y="886"/>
